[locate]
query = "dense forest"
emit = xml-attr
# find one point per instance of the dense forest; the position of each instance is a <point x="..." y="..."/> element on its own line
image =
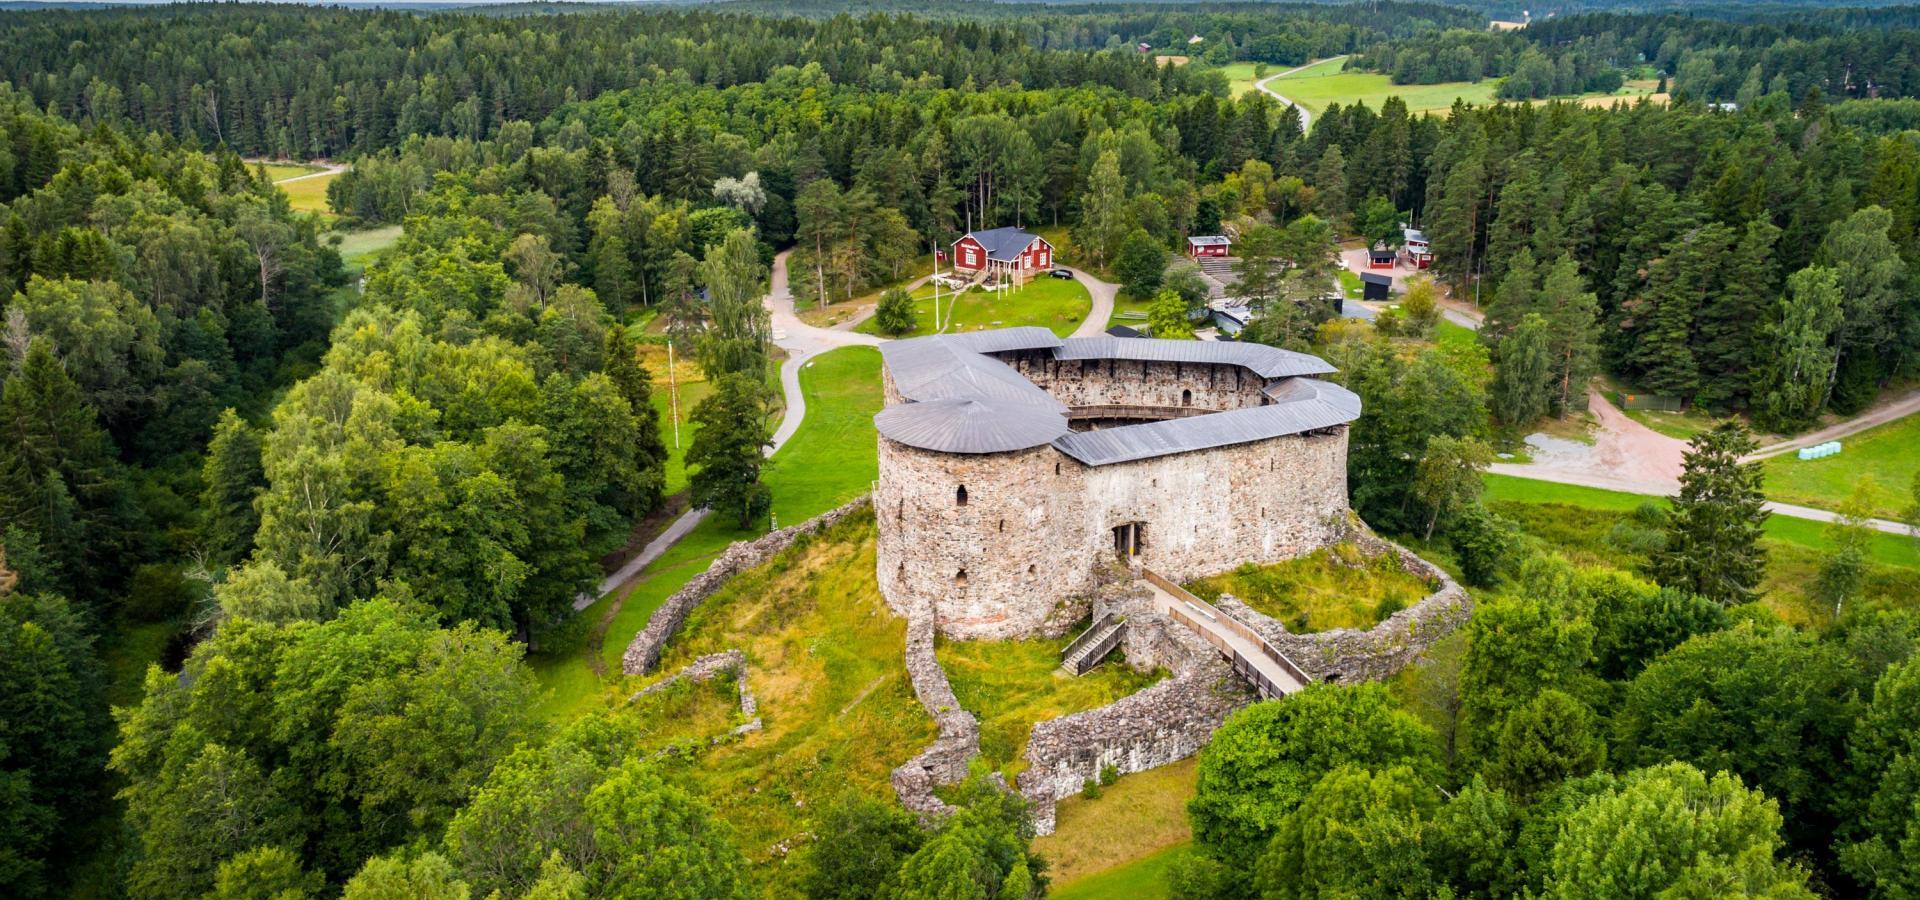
<point x="358" y="507"/>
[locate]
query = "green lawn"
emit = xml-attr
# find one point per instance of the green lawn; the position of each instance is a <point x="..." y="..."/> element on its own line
<point x="1889" y="454"/>
<point x="1123" y="306"/>
<point x="1350" y="284"/>
<point x="1057" y="303"/>
<point x="1242" y="75"/>
<point x="1012" y="685"/>
<point x="1327" y="82"/>
<point x="1448" y="334"/>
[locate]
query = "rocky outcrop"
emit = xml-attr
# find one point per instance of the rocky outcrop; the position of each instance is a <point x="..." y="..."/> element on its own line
<point x="1350" y="654"/>
<point x="1165" y="723"/>
<point x="732" y="664"/>
<point x="643" y="654"/>
<point x="945" y="761"/>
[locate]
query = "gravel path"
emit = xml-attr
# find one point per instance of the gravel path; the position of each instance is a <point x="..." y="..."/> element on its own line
<point x="1306" y="118"/>
<point x="1102" y="293"/>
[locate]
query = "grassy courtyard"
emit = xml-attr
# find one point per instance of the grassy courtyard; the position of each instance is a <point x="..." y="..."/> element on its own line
<point x="1885" y="454"/>
<point x="1012" y="685"/>
<point x="1334" y="587"/>
<point x="1057" y="303"/>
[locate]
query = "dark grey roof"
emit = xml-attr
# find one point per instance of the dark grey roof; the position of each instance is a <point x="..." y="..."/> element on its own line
<point x="1003" y="244"/>
<point x="939" y="366"/>
<point x="971" y="425"/>
<point x="1381" y="253"/>
<point x="1305" y="405"/>
<point x="1262" y="360"/>
<point x="961" y="400"/>
<point x="1122" y="331"/>
<point x="1376" y="278"/>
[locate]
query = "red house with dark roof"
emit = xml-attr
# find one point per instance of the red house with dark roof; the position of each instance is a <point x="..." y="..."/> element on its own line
<point x="1007" y="251"/>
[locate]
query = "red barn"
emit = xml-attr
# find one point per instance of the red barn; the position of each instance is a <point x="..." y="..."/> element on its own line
<point x="1008" y="251"/>
<point x="1208" y="245"/>
<point x="1380" y="258"/>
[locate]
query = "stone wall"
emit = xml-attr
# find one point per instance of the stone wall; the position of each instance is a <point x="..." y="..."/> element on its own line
<point x="1121" y="382"/>
<point x="643" y="653"/>
<point x="731" y="663"/>
<point x="1035" y="523"/>
<point x="1350" y="654"/>
<point x="1163" y="724"/>
<point x="945" y="760"/>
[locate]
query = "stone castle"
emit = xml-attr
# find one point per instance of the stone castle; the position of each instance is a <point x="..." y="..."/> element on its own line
<point x="1014" y="464"/>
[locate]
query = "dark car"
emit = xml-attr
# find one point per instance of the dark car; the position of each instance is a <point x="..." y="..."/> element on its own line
<point x="1062" y="272"/>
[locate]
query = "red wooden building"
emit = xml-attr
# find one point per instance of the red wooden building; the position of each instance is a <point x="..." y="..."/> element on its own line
<point x="1011" y="252"/>
<point x="1201" y="245"/>
<point x="1380" y="258"/>
<point x="1415" y="249"/>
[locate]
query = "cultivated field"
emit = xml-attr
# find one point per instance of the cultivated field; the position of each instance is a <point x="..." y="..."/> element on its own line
<point x="1328" y="82"/>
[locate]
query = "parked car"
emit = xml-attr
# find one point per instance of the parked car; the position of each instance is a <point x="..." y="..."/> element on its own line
<point x="1062" y="272"/>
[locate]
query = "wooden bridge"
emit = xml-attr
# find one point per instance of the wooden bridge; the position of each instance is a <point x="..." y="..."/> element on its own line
<point x="1260" y="663"/>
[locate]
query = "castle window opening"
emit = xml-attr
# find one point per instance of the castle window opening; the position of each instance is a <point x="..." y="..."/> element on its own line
<point x="1003" y="525"/>
<point x="960" y="578"/>
<point x="1186" y="398"/>
<point x="960" y="496"/>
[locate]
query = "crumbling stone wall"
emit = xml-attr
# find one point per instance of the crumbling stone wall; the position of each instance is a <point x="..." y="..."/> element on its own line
<point x="1162" y="724"/>
<point x="1350" y="654"/>
<point x="1036" y="522"/>
<point x="945" y="760"/>
<point x="643" y="653"/>
<point x="1122" y="382"/>
<point x="730" y="663"/>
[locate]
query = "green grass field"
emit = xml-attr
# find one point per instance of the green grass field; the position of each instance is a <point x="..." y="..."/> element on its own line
<point x="824" y="659"/>
<point x="1057" y="303"/>
<point x="1089" y="856"/>
<point x="1889" y="454"/>
<point x="1012" y="685"/>
<point x="1583" y="523"/>
<point x="357" y="248"/>
<point x="278" y="172"/>
<point x="1335" y="587"/>
<point x="1324" y="83"/>
<point x="1146" y="878"/>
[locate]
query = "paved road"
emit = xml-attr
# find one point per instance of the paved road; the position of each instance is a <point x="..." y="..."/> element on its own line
<point x="654" y="549"/>
<point x="1306" y="118"/>
<point x="1208" y="621"/>
<point x="1102" y="294"/>
<point x="802" y="342"/>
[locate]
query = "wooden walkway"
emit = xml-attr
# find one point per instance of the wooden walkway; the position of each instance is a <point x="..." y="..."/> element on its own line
<point x="1263" y="666"/>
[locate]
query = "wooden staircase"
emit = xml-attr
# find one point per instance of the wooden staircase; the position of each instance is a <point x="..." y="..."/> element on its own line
<point x="1093" y="645"/>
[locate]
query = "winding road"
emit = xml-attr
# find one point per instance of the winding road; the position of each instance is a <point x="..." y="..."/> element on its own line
<point x="1306" y="118"/>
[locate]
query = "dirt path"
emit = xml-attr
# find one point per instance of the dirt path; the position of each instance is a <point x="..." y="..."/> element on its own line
<point x="1624" y="456"/>
<point x="1306" y="118"/>
<point x="1887" y="411"/>
<point x="327" y="169"/>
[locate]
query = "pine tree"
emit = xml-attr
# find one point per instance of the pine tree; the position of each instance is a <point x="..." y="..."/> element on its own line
<point x="1713" y="534"/>
<point x="1732" y="317"/>
<point x="233" y="477"/>
<point x="635" y="383"/>
<point x="1514" y="299"/>
<point x="1662" y="317"/>
<point x="1573" y="324"/>
<point x="1330" y="185"/>
<point x="728" y="452"/>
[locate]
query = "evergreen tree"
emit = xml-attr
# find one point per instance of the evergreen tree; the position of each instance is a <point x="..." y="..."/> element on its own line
<point x="1573" y="323"/>
<point x="635" y="384"/>
<point x="894" y="313"/>
<point x="1330" y="185"/>
<point x="728" y="452"/>
<point x="1730" y="321"/>
<point x="1713" y="534"/>
<point x="233" y="478"/>
<point x="1513" y="299"/>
